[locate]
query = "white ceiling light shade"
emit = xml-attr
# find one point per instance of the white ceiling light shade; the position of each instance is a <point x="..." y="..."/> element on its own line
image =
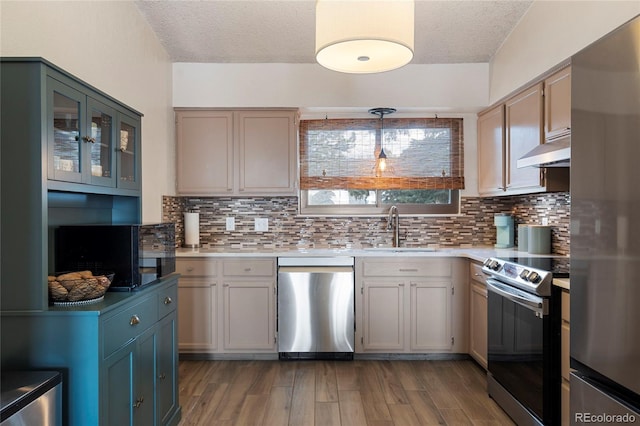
<point x="364" y="36"/>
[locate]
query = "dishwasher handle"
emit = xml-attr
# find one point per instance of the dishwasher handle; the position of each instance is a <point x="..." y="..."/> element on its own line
<point x="315" y="269"/>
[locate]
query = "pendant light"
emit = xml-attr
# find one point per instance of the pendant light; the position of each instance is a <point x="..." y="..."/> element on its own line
<point x="381" y="167"/>
<point x="364" y="36"/>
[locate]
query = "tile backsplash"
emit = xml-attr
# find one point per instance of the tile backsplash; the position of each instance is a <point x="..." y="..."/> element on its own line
<point x="288" y="230"/>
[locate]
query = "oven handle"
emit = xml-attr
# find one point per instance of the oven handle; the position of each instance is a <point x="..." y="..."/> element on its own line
<point x="529" y="301"/>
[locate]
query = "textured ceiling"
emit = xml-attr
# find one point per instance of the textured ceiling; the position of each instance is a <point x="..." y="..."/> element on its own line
<point x="255" y="31"/>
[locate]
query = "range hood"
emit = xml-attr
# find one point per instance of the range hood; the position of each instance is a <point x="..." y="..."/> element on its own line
<point x="553" y="153"/>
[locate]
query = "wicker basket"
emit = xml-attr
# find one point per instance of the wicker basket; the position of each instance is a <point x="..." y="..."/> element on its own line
<point x="78" y="286"/>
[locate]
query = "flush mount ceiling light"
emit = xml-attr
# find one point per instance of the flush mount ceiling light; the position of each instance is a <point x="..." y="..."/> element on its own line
<point x="364" y="36"/>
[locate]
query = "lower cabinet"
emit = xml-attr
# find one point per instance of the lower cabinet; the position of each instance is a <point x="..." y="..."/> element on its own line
<point x="564" y="358"/>
<point x="477" y="314"/>
<point x="227" y="305"/>
<point x="119" y="356"/>
<point x="410" y="305"/>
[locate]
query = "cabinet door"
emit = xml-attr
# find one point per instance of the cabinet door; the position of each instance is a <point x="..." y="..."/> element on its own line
<point x="197" y="315"/>
<point x="204" y="152"/>
<point x="249" y="315"/>
<point x="478" y="323"/>
<point x="523" y="133"/>
<point x="167" y="372"/>
<point x="67" y="142"/>
<point x="491" y="152"/>
<point x="431" y="315"/>
<point x="557" y="104"/>
<point x="101" y="146"/>
<point x="145" y="378"/>
<point x="383" y="315"/>
<point x="267" y="152"/>
<point x="118" y="399"/>
<point x="128" y="152"/>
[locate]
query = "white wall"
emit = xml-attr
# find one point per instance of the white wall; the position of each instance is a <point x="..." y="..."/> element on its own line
<point x="109" y="45"/>
<point x="549" y="33"/>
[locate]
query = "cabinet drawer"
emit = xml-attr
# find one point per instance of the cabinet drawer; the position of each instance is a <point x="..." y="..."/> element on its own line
<point x="196" y="267"/>
<point x="421" y="268"/>
<point x="249" y="268"/>
<point x="476" y="274"/>
<point x="167" y="300"/>
<point x="566" y="306"/>
<point x="129" y="323"/>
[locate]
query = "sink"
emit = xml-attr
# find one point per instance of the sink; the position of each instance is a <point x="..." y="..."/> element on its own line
<point x="401" y="249"/>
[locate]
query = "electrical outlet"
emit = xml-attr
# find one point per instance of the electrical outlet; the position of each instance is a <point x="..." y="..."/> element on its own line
<point x="261" y="224"/>
<point x="545" y="221"/>
<point x="231" y="224"/>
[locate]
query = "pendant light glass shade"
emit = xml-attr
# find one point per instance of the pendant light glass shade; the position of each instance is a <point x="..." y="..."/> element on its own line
<point x="364" y="36"/>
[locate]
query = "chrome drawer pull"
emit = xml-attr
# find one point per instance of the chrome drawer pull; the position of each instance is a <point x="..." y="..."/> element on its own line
<point x="134" y="320"/>
<point x="407" y="270"/>
<point x="190" y="269"/>
<point x="168" y="300"/>
<point x="247" y="269"/>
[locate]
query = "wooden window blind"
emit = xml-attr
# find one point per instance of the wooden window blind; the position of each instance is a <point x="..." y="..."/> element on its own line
<point x="421" y="154"/>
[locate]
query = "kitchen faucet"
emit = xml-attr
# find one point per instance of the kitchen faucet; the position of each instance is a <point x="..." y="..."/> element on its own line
<point x="393" y="221"/>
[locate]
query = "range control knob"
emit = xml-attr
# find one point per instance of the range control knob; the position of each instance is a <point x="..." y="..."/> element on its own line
<point x="524" y="274"/>
<point x="533" y="277"/>
<point x="487" y="262"/>
<point x="495" y="265"/>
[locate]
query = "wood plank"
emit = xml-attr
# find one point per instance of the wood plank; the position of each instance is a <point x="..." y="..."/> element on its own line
<point x="326" y="382"/>
<point x="252" y="411"/>
<point x="424" y="408"/>
<point x="403" y="415"/>
<point x="278" y="406"/>
<point x="455" y="417"/>
<point x="208" y="403"/>
<point x="406" y="374"/>
<point x="303" y="400"/>
<point x="391" y="387"/>
<point x="351" y="408"/>
<point x="347" y="376"/>
<point x="375" y="406"/>
<point x="327" y="414"/>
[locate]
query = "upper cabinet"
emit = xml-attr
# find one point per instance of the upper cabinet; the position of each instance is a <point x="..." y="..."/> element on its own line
<point x="70" y="155"/>
<point x="491" y="151"/>
<point x="90" y="138"/>
<point x="236" y="153"/>
<point x="509" y="130"/>
<point x="557" y="104"/>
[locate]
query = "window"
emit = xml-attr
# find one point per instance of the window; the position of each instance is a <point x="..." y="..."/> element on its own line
<point x="338" y="172"/>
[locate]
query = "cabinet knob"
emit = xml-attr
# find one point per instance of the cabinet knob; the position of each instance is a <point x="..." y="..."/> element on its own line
<point x="138" y="402"/>
<point x="134" y="320"/>
<point x="162" y="376"/>
<point x="168" y="300"/>
<point x="190" y="269"/>
<point x="247" y="269"/>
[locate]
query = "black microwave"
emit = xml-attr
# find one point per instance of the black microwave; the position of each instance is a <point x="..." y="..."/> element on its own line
<point x="136" y="254"/>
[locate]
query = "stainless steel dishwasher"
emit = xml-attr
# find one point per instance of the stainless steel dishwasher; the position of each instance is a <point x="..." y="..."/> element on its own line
<point x="316" y="307"/>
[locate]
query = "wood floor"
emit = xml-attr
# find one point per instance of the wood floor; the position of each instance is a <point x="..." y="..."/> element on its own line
<point x="336" y="393"/>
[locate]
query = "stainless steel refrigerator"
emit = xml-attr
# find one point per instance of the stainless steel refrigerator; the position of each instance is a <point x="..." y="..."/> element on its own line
<point x="605" y="229"/>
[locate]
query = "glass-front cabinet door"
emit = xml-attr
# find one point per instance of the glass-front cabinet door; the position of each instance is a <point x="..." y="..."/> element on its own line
<point x="128" y="151"/>
<point x="65" y="123"/>
<point x="101" y="150"/>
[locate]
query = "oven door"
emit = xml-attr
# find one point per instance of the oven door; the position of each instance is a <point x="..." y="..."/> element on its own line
<point x="520" y="341"/>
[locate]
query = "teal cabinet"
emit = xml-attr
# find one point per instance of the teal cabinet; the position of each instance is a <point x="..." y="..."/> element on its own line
<point x="119" y="356"/>
<point x="71" y="154"/>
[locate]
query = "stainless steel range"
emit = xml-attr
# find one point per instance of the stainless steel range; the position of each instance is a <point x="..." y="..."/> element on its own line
<point x="524" y="337"/>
